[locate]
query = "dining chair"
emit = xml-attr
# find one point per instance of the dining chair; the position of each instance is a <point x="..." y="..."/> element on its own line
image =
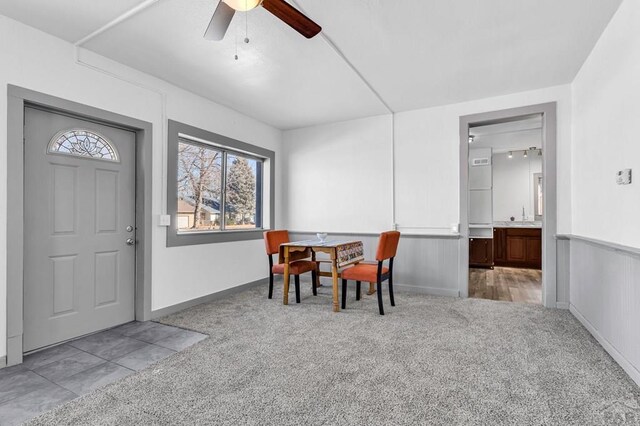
<point x="298" y="263"/>
<point x="374" y="272"/>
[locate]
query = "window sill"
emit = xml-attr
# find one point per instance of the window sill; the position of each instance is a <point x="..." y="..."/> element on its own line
<point x="213" y="237"/>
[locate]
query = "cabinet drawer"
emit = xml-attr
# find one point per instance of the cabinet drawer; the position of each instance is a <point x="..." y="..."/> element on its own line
<point x="523" y="232"/>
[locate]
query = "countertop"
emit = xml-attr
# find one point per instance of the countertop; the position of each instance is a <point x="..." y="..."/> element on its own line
<point x="518" y="224"/>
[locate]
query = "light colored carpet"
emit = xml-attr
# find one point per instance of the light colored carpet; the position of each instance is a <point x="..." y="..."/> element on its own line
<point x="430" y="360"/>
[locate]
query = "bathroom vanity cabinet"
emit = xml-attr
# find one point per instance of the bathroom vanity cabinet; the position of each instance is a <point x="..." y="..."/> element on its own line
<point x="517" y="247"/>
<point x="480" y="252"/>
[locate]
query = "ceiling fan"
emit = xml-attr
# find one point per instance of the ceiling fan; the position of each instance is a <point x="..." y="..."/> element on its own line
<point x="280" y="8"/>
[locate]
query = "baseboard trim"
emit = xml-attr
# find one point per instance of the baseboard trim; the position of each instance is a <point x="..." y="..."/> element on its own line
<point x="14" y="350"/>
<point x="617" y="356"/>
<point x="206" y="299"/>
<point x="427" y="290"/>
<point x="562" y="305"/>
<point x="3" y="361"/>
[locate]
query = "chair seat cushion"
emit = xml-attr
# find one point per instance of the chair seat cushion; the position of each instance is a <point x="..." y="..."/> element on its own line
<point x="295" y="268"/>
<point x="366" y="272"/>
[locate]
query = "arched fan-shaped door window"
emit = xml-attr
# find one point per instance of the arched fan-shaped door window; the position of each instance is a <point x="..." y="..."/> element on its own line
<point x="83" y="143"/>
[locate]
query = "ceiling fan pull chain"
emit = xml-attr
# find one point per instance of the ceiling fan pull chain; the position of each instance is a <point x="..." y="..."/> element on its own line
<point x="246" y="24"/>
<point x="235" y="39"/>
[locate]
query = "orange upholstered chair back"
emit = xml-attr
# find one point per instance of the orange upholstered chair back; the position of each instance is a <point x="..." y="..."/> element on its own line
<point x="388" y="245"/>
<point x="273" y="239"/>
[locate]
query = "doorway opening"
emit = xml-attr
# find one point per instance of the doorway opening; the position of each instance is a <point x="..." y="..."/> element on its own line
<point x="508" y="205"/>
<point x="505" y="210"/>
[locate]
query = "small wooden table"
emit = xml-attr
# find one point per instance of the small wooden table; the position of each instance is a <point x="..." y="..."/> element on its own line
<point x="341" y="253"/>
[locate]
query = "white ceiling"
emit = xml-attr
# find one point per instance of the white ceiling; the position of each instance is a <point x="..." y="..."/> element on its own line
<point x="68" y="19"/>
<point x="415" y="53"/>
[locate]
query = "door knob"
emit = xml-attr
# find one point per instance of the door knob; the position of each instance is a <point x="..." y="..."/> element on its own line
<point x="130" y="241"/>
<point x="129" y="228"/>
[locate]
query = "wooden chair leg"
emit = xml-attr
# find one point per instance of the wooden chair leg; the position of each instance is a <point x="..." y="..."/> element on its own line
<point x="380" y="298"/>
<point x="270" y="285"/>
<point x="297" y="281"/>
<point x="393" y="302"/>
<point x="358" y="290"/>
<point x="313" y="283"/>
<point x="344" y="294"/>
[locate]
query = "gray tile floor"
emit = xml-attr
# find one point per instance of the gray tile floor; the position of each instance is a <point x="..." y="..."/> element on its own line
<point x="59" y="374"/>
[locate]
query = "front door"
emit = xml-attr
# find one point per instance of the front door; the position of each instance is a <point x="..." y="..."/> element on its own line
<point x="79" y="227"/>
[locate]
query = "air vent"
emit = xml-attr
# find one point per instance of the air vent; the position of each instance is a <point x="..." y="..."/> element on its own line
<point x="480" y="162"/>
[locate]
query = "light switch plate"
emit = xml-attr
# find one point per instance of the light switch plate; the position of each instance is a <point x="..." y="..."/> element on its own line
<point x="165" y="220"/>
<point x="623" y="177"/>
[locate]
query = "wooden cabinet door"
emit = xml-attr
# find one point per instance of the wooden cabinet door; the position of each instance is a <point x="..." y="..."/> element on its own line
<point x="480" y="252"/>
<point x="516" y="249"/>
<point x="499" y="245"/>
<point x="534" y="251"/>
<point x="476" y="251"/>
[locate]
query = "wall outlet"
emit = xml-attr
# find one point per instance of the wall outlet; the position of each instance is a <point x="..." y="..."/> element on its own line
<point x="164" y="220"/>
<point x="623" y="177"/>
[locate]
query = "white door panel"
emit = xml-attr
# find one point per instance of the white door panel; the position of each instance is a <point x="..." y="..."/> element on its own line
<point x="79" y="272"/>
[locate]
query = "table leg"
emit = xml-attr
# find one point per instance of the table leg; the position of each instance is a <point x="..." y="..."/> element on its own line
<point x="334" y="274"/>
<point x="285" y="295"/>
<point x="372" y="288"/>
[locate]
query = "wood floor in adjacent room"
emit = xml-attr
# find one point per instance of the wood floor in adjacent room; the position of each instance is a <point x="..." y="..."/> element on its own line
<point x="506" y="284"/>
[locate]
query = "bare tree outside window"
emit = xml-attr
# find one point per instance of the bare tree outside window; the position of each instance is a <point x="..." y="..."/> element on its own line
<point x="200" y="194"/>
<point x="199" y="187"/>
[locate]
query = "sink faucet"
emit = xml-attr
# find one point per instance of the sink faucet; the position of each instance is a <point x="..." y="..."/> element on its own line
<point x="523" y="217"/>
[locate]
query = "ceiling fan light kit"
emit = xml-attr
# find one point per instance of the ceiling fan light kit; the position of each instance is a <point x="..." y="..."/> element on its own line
<point x="279" y="8"/>
<point x="243" y="5"/>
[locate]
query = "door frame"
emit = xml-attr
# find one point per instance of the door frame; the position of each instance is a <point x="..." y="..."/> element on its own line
<point x="18" y="98"/>
<point x="549" y="182"/>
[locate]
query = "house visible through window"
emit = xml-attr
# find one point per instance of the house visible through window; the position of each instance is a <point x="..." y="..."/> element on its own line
<point x="218" y="189"/>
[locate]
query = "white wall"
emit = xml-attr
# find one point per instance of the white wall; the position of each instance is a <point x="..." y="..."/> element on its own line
<point x="606" y="108"/>
<point x="427" y="157"/>
<point x="338" y="177"/>
<point x="357" y="157"/>
<point x="37" y="61"/>
<point x="513" y="185"/>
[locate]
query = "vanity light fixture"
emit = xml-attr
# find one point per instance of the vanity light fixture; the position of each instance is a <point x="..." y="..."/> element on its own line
<point x="539" y="153"/>
<point x="471" y="138"/>
<point x="526" y="154"/>
<point x="510" y="154"/>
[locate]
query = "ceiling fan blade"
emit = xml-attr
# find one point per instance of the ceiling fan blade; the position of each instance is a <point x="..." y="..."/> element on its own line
<point x="292" y="17"/>
<point x="219" y="22"/>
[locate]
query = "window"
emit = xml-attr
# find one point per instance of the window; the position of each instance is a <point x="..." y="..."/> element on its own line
<point x="219" y="189"/>
<point x="241" y="192"/>
<point x="199" y="187"/>
<point x="82" y="143"/>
